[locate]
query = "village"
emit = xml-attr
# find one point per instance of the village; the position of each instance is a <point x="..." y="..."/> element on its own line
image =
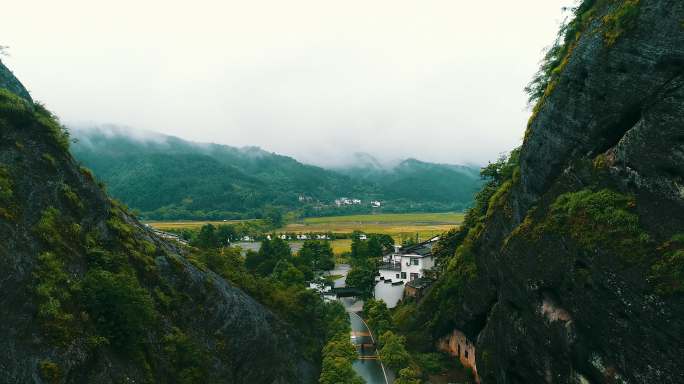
<point x="403" y="273"/>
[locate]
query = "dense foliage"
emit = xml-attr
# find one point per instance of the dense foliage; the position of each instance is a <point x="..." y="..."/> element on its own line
<point x="364" y="260"/>
<point x="338" y="353"/>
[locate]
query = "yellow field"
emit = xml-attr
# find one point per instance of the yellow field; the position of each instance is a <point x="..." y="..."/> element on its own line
<point x="398" y="226"/>
<point x="387" y="218"/>
<point x="167" y="225"/>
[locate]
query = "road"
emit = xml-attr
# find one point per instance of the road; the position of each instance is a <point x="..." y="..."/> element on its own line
<point x="368" y="366"/>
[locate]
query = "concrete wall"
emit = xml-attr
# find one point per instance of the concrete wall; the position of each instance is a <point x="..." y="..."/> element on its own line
<point x="390" y="294"/>
<point x="458" y="345"/>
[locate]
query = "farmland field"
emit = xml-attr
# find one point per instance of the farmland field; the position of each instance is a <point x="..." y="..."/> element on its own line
<point x="178" y="225"/>
<point x="399" y="225"/>
<point x="415" y="218"/>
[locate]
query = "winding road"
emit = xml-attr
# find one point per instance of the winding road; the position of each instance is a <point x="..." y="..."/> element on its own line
<point x="368" y="366"/>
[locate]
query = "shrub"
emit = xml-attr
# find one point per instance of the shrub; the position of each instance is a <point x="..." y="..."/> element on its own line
<point x="6" y="194"/>
<point x="408" y="376"/>
<point x="667" y="273"/>
<point x="53" y="289"/>
<point x="50" y="372"/>
<point x="620" y="20"/>
<point x="603" y="219"/>
<point x="50" y="122"/>
<point x="556" y="57"/>
<point x="393" y="351"/>
<point x="433" y="363"/>
<point x="189" y="363"/>
<point x="378" y="316"/>
<point x="72" y="197"/>
<point x="121" y="309"/>
<point x="338" y="371"/>
<point x="13" y="107"/>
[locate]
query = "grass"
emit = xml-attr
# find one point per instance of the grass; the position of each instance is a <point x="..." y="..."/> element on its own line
<point x="178" y="225"/>
<point x="397" y="225"/>
<point x="429" y="218"/>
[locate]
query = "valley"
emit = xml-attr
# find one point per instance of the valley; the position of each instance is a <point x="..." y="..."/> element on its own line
<point x="130" y="256"/>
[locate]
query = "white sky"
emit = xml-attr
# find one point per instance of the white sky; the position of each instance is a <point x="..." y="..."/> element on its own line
<point x="437" y="80"/>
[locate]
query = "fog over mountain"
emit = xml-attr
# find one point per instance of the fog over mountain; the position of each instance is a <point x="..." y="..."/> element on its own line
<point x="441" y="81"/>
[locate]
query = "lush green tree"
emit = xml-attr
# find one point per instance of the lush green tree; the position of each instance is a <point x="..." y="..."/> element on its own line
<point x="270" y="254"/>
<point x="188" y="362"/>
<point x="121" y="309"/>
<point x="362" y="277"/>
<point x="378" y="316"/>
<point x="386" y="242"/>
<point x="338" y="353"/>
<point x="364" y="266"/>
<point x="207" y="237"/>
<point x="336" y="320"/>
<point x="318" y="255"/>
<point x="374" y="247"/>
<point x="221" y="260"/>
<point x="288" y="274"/>
<point x="393" y="351"/>
<point x="338" y="370"/>
<point x="359" y="248"/>
<point x="273" y="216"/>
<point x="225" y="234"/>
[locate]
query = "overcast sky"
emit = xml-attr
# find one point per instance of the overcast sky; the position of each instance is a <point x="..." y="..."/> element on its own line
<point x="317" y="79"/>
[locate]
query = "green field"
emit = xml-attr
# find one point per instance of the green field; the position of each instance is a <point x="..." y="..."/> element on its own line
<point x="178" y="225"/>
<point x="412" y="218"/>
<point x="399" y="225"/>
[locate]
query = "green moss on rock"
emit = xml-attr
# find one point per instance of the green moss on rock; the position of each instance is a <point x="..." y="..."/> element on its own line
<point x="53" y="289"/>
<point x="7" y="203"/>
<point x="667" y="273"/>
<point x="620" y="20"/>
<point x="601" y="219"/>
<point x="50" y="372"/>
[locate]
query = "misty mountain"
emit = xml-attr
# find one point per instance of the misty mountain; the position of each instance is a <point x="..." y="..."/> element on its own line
<point x="167" y="177"/>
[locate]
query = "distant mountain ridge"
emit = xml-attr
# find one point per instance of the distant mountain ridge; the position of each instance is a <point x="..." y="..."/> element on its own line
<point x="168" y="177"/>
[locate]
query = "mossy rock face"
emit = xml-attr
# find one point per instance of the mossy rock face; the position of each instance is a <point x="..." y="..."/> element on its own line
<point x="578" y="262"/>
<point x="7" y="202"/>
<point x="667" y="273"/>
<point x="10" y="83"/>
<point x="92" y="296"/>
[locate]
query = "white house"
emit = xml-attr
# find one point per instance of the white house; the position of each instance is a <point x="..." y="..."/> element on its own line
<point x="401" y="266"/>
<point x="376" y="204"/>
<point x="363" y="237"/>
<point x="283" y="237"/>
<point x="246" y="238"/>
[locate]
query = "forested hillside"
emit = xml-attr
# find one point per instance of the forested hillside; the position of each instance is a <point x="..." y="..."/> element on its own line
<point x="165" y="177"/>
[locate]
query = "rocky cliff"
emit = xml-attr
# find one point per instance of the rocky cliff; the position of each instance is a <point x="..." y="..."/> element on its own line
<point x="89" y="295"/>
<point x="571" y="270"/>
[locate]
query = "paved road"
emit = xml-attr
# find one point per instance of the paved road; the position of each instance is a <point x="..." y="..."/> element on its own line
<point x="367" y="366"/>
